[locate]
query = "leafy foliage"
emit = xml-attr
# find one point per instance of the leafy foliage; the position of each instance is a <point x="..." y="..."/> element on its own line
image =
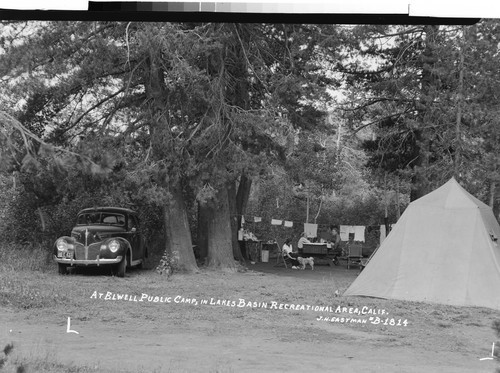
<point x="168" y="263"/>
<point x="274" y="198"/>
<point x="422" y="95"/>
<point x="128" y="113"/>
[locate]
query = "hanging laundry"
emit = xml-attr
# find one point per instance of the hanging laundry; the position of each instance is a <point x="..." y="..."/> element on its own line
<point x="288" y="224"/>
<point x="382" y="233"/>
<point x="359" y="233"/>
<point x="242" y="219"/>
<point x="276" y="222"/>
<point x="240" y="234"/>
<point x="344" y="232"/>
<point x="257" y="219"/>
<point x="311" y="230"/>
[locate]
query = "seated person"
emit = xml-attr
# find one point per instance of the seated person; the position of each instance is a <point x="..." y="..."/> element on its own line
<point x="335" y="237"/>
<point x="302" y="241"/>
<point x="288" y="253"/>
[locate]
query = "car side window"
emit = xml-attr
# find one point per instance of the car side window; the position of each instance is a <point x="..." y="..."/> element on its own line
<point x="113" y="219"/>
<point x="132" y="222"/>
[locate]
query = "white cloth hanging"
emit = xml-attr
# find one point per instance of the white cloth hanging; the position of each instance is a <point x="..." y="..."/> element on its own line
<point x="311" y="230"/>
<point x="359" y="233"/>
<point x="382" y="233"/>
<point x="288" y="224"/>
<point x="276" y="222"/>
<point x="344" y="232"/>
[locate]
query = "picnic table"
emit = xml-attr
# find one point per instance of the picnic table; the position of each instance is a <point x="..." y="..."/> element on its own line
<point x="320" y="251"/>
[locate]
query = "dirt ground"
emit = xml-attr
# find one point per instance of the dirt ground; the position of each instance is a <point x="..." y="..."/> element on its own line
<point x="194" y="339"/>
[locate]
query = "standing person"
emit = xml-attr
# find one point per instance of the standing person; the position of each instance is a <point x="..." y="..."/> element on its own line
<point x="335" y="242"/>
<point x="288" y="252"/>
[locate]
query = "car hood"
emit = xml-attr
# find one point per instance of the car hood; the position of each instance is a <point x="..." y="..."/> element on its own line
<point x="95" y="233"/>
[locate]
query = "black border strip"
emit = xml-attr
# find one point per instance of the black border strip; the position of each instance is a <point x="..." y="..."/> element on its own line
<point x="107" y="14"/>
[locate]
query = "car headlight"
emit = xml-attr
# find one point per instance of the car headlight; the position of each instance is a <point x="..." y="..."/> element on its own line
<point x="113" y="246"/>
<point x="62" y="245"/>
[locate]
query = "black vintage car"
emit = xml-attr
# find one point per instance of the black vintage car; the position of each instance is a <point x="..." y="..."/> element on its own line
<point x="109" y="236"/>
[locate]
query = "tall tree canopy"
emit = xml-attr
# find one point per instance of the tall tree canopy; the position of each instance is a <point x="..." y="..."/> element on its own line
<point x="420" y="91"/>
<point x="193" y="108"/>
<point x="186" y="116"/>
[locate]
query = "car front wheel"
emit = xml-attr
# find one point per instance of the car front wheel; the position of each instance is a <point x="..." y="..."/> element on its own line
<point x="63" y="268"/>
<point x="121" y="267"/>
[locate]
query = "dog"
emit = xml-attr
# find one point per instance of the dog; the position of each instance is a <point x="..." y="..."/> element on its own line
<point x="304" y="261"/>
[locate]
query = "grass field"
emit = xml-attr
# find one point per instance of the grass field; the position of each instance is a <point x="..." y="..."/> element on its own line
<point x="263" y="319"/>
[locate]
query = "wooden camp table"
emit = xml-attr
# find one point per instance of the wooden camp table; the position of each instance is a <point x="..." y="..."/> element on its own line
<point x="317" y="251"/>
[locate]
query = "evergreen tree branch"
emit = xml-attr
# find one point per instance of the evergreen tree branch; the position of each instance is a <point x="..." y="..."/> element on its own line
<point x="8" y="120"/>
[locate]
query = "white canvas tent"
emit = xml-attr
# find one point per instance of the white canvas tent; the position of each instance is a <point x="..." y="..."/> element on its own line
<point x="443" y="249"/>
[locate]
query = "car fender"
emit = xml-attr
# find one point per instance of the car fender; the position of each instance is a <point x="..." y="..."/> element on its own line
<point x="127" y="247"/>
<point x="68" y="239"/>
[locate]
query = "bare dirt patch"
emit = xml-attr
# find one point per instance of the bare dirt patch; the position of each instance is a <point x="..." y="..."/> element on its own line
<point x="233" y="331"/>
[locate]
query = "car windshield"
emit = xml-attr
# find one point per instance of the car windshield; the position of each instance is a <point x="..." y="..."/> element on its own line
<point x="105" y="218"/>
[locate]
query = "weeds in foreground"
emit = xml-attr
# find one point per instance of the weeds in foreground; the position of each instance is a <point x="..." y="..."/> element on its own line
<point x="18" y="368"/>
<point x="168" y="263"/>
<point x="46" y="365"/>
<point x="36" y="364"/>
<point x="18" y="257"/>
<point x="15" y="290"/>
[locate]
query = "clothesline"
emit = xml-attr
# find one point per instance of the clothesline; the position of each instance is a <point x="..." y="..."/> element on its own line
<point x="258" y="219"/>
<point x="311" y="229"/>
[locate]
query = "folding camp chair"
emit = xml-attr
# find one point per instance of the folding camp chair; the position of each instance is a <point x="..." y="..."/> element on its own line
<point x="281" y="259"/>
<point x="354" y="254"/>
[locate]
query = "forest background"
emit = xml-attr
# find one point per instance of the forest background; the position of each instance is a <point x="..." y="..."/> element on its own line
<point x="194" y="125"/>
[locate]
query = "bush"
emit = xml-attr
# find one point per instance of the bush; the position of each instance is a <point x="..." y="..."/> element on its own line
<point x="22" y="257"/>
<point x="21" y="214"/>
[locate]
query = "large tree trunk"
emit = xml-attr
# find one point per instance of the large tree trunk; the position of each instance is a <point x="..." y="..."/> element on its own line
<point x="460" y="98"/>
<point x="240" y="97"/>
<point x="419" y="181"/>
<point x="203" y="219"/>
<point x="235" y="221"/>
<point x="242" y="196"/>
<point x="398" y="202"/>
<point x="177" y="232"/>
<point x="220" y="248"/>
<point x="176" y="225"/>
<point x="430" y="85"/>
